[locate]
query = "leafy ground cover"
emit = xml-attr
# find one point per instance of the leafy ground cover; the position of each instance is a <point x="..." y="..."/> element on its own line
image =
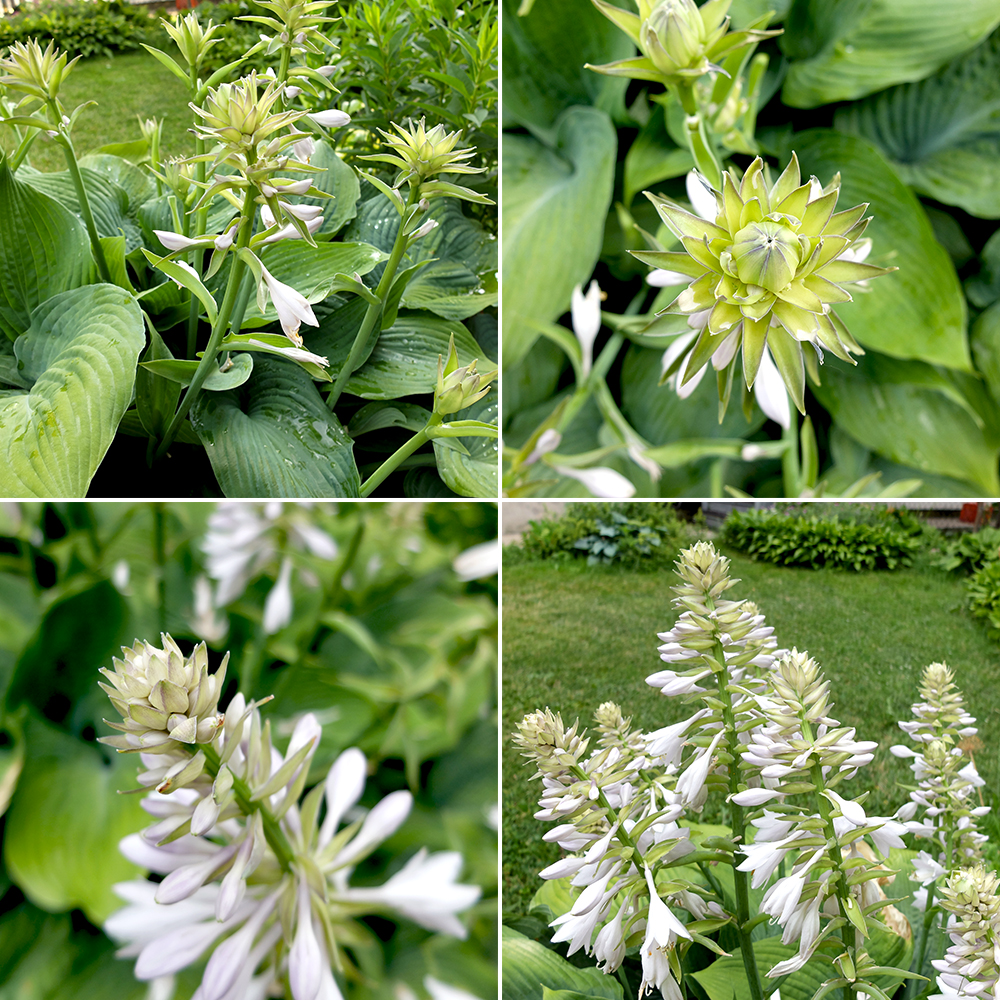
<point x="575" y="636"/>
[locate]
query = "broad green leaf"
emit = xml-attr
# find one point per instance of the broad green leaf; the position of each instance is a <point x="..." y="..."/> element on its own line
<point x="942" y="135"/>
<point x="341" y="181"/>
<point x="425" y="484"/>
<point x="155" y="396"/>
<point x="404" y="361"/>
<point x="528" y="967"/>
<point x="464" y="262"/>
<point x="544" y="55"/>
<point x="554" y="207"/>
<point x="376" y="222"/>
<point x="846" y="49"/>
<point x="181" y="371"/>
<point x="902" y="411"/>
<point x="663" y="418"/>
<point x="653" y="157"/>
<point x="553" y="898"/>
<point x="726" y="979"/>
<point x="376" y="416"/>
<point x="984" y="288"/>
<point x="65" y="821"/>
<point x="470" y="469"/>
<point x="81" y="352"/>
<point x="36" y="953"/>
<point x="918" y="311"/>
<point x="311" y="271"/>
<point x="11" y="761"/>
<point x="275" y="437"/>
<point x="44" y="250"/>
<point x="135" y="182"/>
<point x="109" y="202"/>
<point x="986" y="347"/>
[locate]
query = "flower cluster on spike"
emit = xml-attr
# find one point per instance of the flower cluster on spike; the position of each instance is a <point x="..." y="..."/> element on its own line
<point x="679" y="40"/>
<point x="946" y="782"/>
<point x="764" y="737"/>
<point x="971" y="966"/>
<point x="252" y="875"/>
<point x="768" y="262"/>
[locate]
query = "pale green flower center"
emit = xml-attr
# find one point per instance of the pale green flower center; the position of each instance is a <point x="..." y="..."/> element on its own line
<point x="766" y="254"/>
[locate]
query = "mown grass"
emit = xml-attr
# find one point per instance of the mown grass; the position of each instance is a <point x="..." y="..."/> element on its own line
<point x="124" y="86"/>
<point x="575" y="636"/>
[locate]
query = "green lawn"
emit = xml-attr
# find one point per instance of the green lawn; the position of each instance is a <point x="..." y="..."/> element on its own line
<point x="124" y="86"/>
<point x="574" y="637"/>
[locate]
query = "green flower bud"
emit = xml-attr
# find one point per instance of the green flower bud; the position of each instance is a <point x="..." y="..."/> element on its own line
<point x="164" y="698"/>
<point x="674" y="37"/>
<point x="458" y="387"/>
<point x="766" y="254"/>
<point x="420" y="153"/>
<point x="35" y="72"/>
<point x="193" y="38"/>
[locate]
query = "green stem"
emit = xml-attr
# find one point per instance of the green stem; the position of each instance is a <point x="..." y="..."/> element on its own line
<point x="200" y="224"/>
<point x="85" y="212"/>
<point x="392" y="462"/>
<point x="375" y="310"/>
<point x="272" y="828"/>
<point x="207" y="362"/>
<point x="346" y="561"/>
<point x="697" y="136"/>
<point x="740" y="879"/>
<point x="160" y="555"/>
<point x="594" y="377"/>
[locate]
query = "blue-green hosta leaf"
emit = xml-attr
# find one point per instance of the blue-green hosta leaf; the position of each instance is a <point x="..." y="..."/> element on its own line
<point x="64" y="824"/>
<point x="470" y="469"/>
<point x="341" y="181"/>
<point x="108" y="201"/>
<point x="544" y="57"/>
<point x="464" y="262"/>
<point x="909" y="413"/>
<point x="986" y="347"/>
<point x="847" y="49"/>
<point x="653" y="157"/>
<point x="44" y="250"/>
<point x="942" y="134"/>
<point x="918" y="311"/>
<point x="404" y="360"/>
<point x="376" y="221"/>
<point x="275" y="437"/>
<point x="80" y="354"/>
<point x="528" y="967"/>
<point x="134" y="181"/>
<point x="554" y="207"/>
<point x="309" y="270"/>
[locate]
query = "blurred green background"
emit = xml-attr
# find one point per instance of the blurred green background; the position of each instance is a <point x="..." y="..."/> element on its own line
<point x="392" y="650"/>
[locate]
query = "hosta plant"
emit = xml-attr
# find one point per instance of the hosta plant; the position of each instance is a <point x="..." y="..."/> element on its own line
<point x="263" y="304"/>
<point x="718" y="112"/>
<point x="793" y="893"/>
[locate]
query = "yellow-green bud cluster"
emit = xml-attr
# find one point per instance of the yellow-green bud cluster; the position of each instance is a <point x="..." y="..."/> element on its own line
<point x="679" y="40"/>
<point x="297" y="24"/>
<point x="798" y="692"/>
<point x="942" y="714"/>
<point x="459" y="387"/>
<point x="165" y="698"/>
<point x="768" y="269"/>
<point x="969" y="967"/>
<point x="193" y="38"/>
<point x="239" y="115"/>
<point x="34" y="72"/>
<point x="547" y="742"/>
<point x="704" y="572"/>
<point x="420" y="153"/>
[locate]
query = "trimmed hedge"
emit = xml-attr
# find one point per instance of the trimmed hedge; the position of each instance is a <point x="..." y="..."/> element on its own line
<point x="815" y="542"/>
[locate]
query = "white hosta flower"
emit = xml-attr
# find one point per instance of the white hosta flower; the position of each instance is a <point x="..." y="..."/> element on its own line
<point x="292" y="307"/>
<point x="278" y="607"/>
<point x="331" y="118"/>
<point x="245" y="539"/>
<point x="479" y="561"/>
<point x="586" y="315"/>
<point x="548" y="441"/>
<point x="425" y="890"/>
<point x="443" y="991"/>
<point x="295" y="353"/>
<point x="207" y="622"/>
<point x="600" y="481"/>
<point x="175" y="241"/>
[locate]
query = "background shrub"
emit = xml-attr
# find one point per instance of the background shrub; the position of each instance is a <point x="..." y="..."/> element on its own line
<point x="634" y="535"/>
<point x="807" y="540"/>
<point x="970" y="552"/>
<point x="91" y="28"/>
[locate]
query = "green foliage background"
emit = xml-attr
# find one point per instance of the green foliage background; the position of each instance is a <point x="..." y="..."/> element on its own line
<point x="902" y="99"/>
<point x="400" y="661"/>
